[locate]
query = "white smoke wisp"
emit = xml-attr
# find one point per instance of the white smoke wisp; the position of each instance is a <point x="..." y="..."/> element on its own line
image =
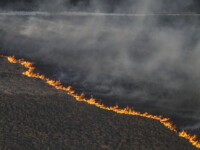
<point x="194" y="127"/>
<point x="139" y="57"/>
<point x="43" y="13"/>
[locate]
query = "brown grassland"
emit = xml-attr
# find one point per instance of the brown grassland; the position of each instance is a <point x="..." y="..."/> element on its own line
<point x="35" y="116"/>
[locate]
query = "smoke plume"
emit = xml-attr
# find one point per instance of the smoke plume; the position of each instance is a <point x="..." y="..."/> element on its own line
<point x="151" y="61"/>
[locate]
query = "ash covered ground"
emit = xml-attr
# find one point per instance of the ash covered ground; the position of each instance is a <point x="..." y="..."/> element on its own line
<point x="150" y="63"/>
<point x="36" y="116"/>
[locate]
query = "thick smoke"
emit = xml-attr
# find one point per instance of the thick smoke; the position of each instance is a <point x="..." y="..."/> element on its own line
<point x="143" y="60"/>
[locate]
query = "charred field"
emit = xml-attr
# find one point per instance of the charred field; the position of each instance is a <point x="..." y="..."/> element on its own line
<point x="69" y="64"/>
<point x="136" y="53"/>
<point x="37" y="116"/>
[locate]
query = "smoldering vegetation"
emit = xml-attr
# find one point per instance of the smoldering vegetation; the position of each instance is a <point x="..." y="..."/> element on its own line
<point x="35" y="116"/>
<point x="149" y="63"/>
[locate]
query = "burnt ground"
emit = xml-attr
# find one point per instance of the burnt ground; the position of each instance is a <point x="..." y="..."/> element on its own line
<point x="35" y="116"/>
<point x="181" y="105"/>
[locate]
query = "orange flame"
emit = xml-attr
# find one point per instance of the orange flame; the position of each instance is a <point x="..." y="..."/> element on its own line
<point x="92" y="101"/>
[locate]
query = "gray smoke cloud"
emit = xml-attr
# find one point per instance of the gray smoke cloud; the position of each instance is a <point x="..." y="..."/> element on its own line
<point x="138" y="59"/>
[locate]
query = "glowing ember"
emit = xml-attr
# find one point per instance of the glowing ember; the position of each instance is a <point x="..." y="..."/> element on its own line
<point x="57" y="84"/>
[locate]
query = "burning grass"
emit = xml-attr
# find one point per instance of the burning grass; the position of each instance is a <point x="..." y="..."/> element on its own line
<point x="127" y="111"/>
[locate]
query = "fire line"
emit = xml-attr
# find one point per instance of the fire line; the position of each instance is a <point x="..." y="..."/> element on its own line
<point x="92" y="101"/>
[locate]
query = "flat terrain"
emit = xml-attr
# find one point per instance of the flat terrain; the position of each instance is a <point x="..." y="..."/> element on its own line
<point x="35" y="116"/>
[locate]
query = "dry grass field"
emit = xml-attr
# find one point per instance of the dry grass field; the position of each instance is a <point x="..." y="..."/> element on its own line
<point x="35" y="116"/>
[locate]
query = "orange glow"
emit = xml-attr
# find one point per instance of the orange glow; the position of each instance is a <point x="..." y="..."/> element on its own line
<point x="92" y="101"/>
